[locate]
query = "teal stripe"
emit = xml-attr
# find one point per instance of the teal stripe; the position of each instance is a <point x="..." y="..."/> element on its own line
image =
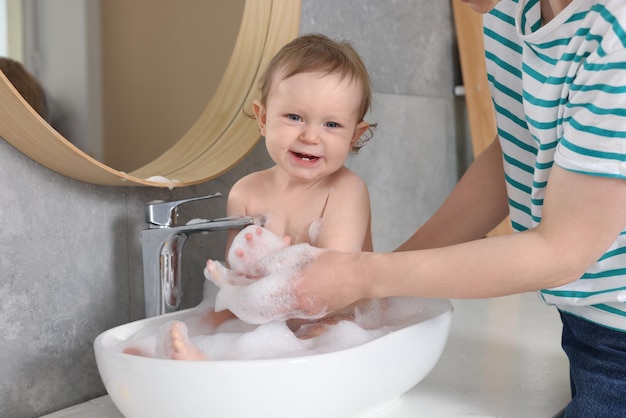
<point x="504" y="65"/>
<point x="505" y="135"/>
<point x="531" y="72"/>
<point x="535" y="25"/>
<point x="552" y="44"/>
<point x="609" y="309"/>
<point x="544" y="166"/>
<point x="579" y="293"/>
<point x="517" y="184"/>
<point x="577" y="17"/>
<point x="597" y="131"/>
<point x="518" y="227"/>
<point x="518" y="164"/>
<point x="541" y="125"/>
<point x="541" y="102"/>
<point x="522" y="208"/>
<point x="605" y="66"/>
<point x="534" y="74"/>
<point x="503" y="16"/>
<point x="502" y="40"/>
<point x="615" y="252"/>
<point x="543" y="57"/>
<point x="598" y="110"/>
<point x="546" y="147"/>
<point x="608" y="16"/>
<point x="574" y="57"/>
<point x="604" y="274"/>
<point x="605" y="88"/>
<point x="540" y="184"/>
<point x="509" y="115"/>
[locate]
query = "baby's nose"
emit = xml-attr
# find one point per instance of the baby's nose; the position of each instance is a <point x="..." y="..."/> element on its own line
<point x="310" y="134"/>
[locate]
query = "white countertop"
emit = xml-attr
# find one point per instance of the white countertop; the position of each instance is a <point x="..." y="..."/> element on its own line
<point x="503" y="359"/>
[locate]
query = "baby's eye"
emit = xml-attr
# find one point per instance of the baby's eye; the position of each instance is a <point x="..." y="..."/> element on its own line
<point x="294" y="117"/>
<point x="333" y="125"/>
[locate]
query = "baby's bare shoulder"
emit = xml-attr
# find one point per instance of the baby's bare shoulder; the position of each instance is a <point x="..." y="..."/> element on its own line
<point x="346" y="179"/>
<point x="251" y="182"/>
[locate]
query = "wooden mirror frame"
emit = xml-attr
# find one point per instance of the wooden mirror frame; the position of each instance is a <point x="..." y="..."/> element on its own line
<point x="221" y="137"/>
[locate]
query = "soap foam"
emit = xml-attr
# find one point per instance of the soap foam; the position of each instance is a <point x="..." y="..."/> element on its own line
<point x="258" y="253"/>
<point x="238" y="340"/>
<point x="261" y="330"/>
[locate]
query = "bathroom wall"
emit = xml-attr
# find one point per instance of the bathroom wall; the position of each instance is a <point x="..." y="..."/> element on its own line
<point x="70" y="254"/>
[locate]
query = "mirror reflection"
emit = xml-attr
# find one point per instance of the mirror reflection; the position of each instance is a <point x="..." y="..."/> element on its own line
<point x="124" y="79"/>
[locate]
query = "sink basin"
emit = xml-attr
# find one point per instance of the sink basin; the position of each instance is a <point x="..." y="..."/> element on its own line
<point x="353" y="382"/>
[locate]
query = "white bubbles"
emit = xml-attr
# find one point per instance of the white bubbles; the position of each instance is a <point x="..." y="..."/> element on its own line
<point x="259" y="286"/>
<point x="237" y="340"/>
<point x="258" y="290"/>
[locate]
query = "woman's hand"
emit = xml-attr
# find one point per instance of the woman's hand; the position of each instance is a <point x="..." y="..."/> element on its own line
<point x="329" y="282"/>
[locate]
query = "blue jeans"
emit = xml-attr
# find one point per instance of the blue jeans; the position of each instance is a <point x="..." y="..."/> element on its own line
<point x="597" y="357"/>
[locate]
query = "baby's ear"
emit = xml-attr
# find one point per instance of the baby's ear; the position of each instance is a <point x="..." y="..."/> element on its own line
<point x="359" y="130"/>
<point x="260" y="115"/>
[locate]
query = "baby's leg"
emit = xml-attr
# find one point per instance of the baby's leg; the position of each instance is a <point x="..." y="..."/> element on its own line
<point x="173" y="342"/>
<point x="305" y="329"/>
<point x="214" y="319"/>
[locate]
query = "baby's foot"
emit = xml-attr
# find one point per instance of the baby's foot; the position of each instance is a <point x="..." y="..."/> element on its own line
<point x="215" y="272"/>
<point x="252" y="244"/>
<point x="174" y="343"/>
<point x="134" y="351"/>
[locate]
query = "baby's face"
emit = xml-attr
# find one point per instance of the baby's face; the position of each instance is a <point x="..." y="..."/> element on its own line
<point x="310" y="123"/>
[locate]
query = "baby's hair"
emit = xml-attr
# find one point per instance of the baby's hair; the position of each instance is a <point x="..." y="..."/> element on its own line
<point x="318" y="53"/>
<point x="26" y="84"/>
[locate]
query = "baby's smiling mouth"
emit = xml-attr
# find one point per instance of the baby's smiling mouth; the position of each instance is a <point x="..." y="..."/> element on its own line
<point x="306" y="157"/>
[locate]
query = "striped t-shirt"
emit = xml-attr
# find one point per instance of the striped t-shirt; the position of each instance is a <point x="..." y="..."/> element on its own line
<point x="559" y="92"/>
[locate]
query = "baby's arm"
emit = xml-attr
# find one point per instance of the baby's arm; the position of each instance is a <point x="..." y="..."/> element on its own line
<point x="346" y="223"/>
<point x="235" y="206"/>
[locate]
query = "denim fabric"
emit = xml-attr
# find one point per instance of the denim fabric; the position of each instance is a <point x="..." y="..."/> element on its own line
<point x="597" y="357"/>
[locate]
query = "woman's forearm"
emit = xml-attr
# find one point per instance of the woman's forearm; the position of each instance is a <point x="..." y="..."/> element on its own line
<point x="483" y="268"/>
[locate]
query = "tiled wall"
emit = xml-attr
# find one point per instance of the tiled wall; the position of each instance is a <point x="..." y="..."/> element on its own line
<point x="70" y="256"/>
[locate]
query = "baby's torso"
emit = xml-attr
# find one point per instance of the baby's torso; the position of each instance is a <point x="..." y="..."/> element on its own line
<point x="304" y="227"/>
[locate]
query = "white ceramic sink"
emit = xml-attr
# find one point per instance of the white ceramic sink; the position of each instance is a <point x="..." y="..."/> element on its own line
<point x="347" y="383"/>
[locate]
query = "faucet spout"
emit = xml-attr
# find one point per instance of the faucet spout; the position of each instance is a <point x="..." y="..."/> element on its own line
<point x="162" y="254"/>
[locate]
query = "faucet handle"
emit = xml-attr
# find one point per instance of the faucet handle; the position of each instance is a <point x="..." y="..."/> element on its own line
<point x="161" y="214"/>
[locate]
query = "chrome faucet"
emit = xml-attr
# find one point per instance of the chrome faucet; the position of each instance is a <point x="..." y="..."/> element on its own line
<point x="163" y="245"/>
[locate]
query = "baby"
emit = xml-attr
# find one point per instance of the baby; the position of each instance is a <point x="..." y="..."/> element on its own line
<point x="314" y="95"/>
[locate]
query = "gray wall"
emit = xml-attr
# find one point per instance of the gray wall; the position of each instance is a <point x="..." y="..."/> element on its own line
<point x="70" y="260"/>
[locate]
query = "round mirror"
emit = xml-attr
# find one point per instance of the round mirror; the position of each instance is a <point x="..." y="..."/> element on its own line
<point x="219" y="136"/>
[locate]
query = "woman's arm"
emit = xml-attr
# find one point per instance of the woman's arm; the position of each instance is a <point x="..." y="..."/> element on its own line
<point x="582" y="216"/>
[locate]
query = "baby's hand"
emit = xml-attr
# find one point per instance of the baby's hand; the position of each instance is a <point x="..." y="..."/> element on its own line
<point x="271" y="296"/>
<point x="251" y="245"/>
